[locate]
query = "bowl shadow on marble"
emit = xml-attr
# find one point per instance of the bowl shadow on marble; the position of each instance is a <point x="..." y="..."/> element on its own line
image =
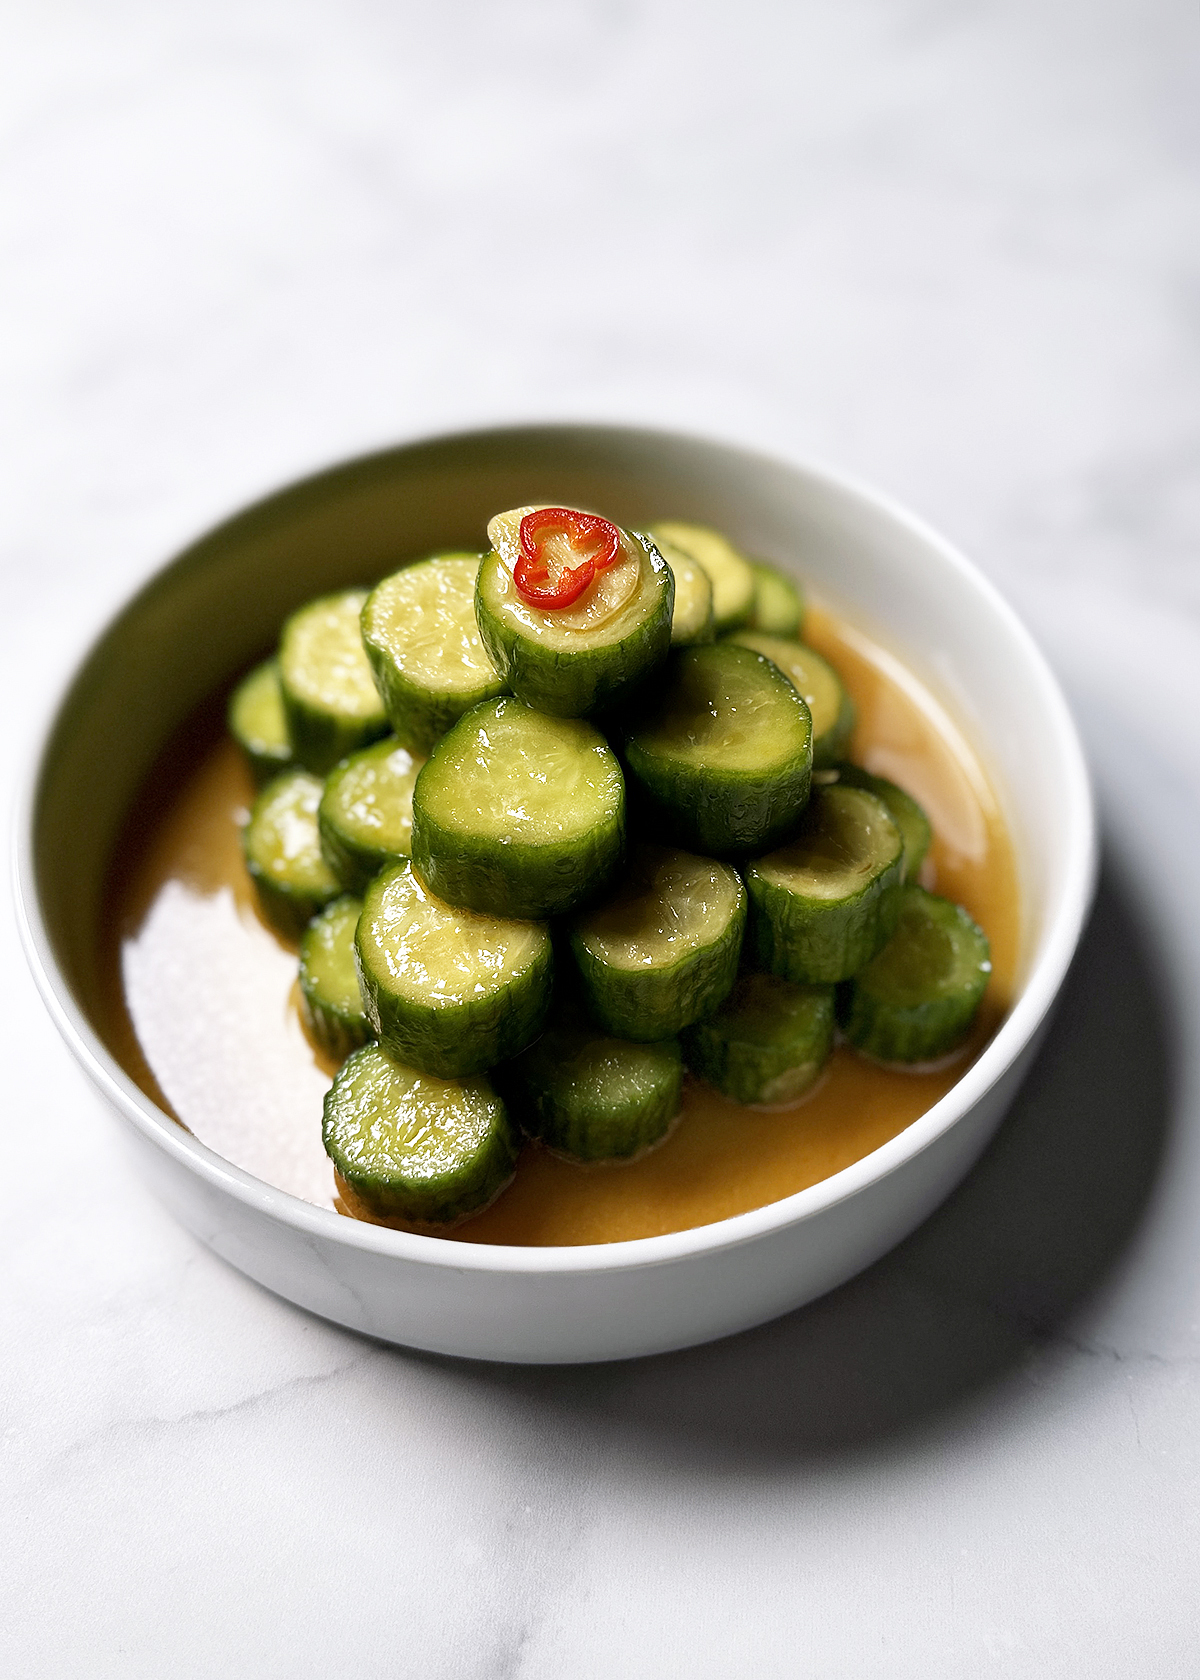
<point x="988" y="1280"/>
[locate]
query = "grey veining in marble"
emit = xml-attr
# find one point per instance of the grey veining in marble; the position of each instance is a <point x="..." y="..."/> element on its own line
<point x="954" y="249"/>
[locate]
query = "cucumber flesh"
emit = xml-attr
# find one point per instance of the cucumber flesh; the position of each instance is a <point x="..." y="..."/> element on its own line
<point x="692" y="617"/>
<point x="518" y="812"/>
<point x="448" y="991"/>
<point x="723" y="761"/>
<point x="282" y="849"/>
<point x="258" y="723"/>
<point x="822" y="906"/>
<point x="910" y="819"/>
<point x="331" y="1003"/>
<point x="767" y="1043"/>
<point x="594" y="1098"/>
<point x="916" y="1000"/>
<point x="778" y="602"/>
<point x="413" y="1149"/>
<point x="663" y="950"/>
<point x="365" y="815"/>
<point x="329" y="694"/>
<point x="728" y="570"/>
<point x="832" y="709"/>
<point x="420" y="635"/>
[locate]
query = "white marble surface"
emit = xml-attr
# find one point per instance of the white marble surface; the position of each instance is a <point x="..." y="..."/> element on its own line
<point x="952" y="248"/>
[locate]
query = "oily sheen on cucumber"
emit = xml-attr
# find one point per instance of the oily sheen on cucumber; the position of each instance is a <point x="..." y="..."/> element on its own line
<point x="329" y="693"/>
<point x="728" y="569"/>
<point x="330" y="1000"/>
<point x="420" y="635"/>
<point x="916" y="1000"/>
<point x="582" y="658"/>
<point x="365" y="814"/>
<point x="692" y="618"/>
<point x="663" y="949"/>
<point x="723" y="756"/>
<point x="832" y="709"/>
<point x="518" y="812"/>
<point x="910" y="819"/>
<point x="412" y="1148"/>
<point x="822" y="906"/>
<point x="282" y="849"/>
<point x="447" y="991"/>
<point x="768" y="1041"/>
<point x="258" y="724"/>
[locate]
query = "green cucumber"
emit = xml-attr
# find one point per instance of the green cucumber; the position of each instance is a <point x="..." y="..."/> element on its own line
<point x="329" y="694"/>
<point x="778" y="602"/>
<point x="822" y="906"/>
<point x="282" y="849"/>
<point x="692" y="615"/>
<point x="916" y="1000"/>
<point x="594" y="1098"/>
<point x="258" y="723"/>
<point x="728" y="570"/>
<point x="365" y="815"/>
<point x="663" y="950"/>
<point x="330" y="1000"/>
<point x="767" y="1043"/>
<point x="832" y="709"/>
<point x="422" y="1151"/>
<point x="909" y="818"/>
<point x="518" y="813"/>
<point x="448" y="991"/>
<point x="574" y="660"/>
<point x="723" y="760"/>
<point x="420" y="635"/>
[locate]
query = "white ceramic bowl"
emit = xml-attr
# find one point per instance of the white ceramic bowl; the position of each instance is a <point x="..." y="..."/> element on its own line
<point x="215" y="607"/>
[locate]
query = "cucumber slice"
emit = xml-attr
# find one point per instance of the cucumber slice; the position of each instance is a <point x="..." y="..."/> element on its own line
<point x="518" y="813"/>
<point x="821" y="907"/>
<point x="365" y="815"/>
<point x="329" y="694"/>
<point x="916" y="1000"/>
<point x="692" y="616"/>
<point x="663" y="951"/>
<point x="283" y="853"/>
<point x="576" y="659"/>
<point x="832" y="709"/>
<point x="594" y="1098"/>
<point x="424" y="1152"/>
<point x="909" y="818"/>
<point x="728" y="570"/>
<point x="420" y="635"/>
<point x="778" y="602"/>
<point x="331" y="1003"/>
<point x="258" y="724"/>
<point x="767" y="1043"/>
<point x="724" y="759"/>
<point x="448" y="991"/>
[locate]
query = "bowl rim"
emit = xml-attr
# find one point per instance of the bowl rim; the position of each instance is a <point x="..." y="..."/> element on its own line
<point x="1064" y="923"/>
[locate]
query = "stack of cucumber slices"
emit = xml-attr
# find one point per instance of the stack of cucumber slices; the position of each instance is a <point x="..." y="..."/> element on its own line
<point x="544" y="857"/>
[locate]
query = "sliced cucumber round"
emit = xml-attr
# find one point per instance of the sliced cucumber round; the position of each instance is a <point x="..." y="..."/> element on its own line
<point x="728" y="570"/>
<point x="663" y="950"/>
<point x="723" y="761"/>
<point x="594" y="1098"/>
<point x="577" y="659"/>
<point x="420" y="635"/>
<point x="767" y="1043"/>
<point x="283" y="853"/>
<point x="422" y="1151"/>
<point x="909" y="818"/>
<point x="832" y="709"/>
<point x="365" y="815"/>
<point x="778" y="602"/>
<point x="331" y="1003"/>
<point x="518" y="813"/>
<point x="822" y="906"/>
<point x="448" y="991"/>
<point x="916" y="1000"/>
<point x="258" y="723"/>
<point x="329" y="694"/>
<point x="692" y="616"/>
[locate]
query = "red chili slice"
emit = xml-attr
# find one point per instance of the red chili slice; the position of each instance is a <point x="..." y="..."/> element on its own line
<point x="592" y="542"/>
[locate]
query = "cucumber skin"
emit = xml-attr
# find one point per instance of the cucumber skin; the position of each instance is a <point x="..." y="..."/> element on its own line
<point x="778" y="602"/>
<point x="922" y="1032"/>
<point x="552" y="1105"/>
<point x="335" y="1031"/>
<point x="645" y="1005"/>
<point x="271" y="762"/>
<point x="592" y="679"/>
<point x="831" y="747"/>
<point x="320" y="739"/>
<point x="354" y="863"/>
<point x="288" y="909"/>
<point x="909" y="818"/>
<point x="746" y="1071"/>
<point x="458" y="1039"/>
